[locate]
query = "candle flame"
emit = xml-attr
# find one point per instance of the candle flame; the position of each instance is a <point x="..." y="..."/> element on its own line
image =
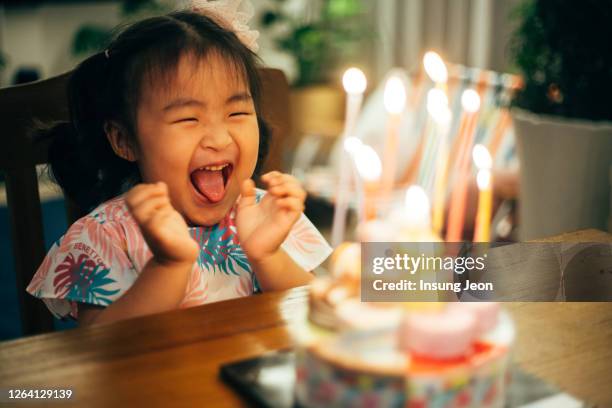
<point x="351" y="144"/>
<point x="482" y="157"/>
<point x="470" y="100"/>
<point x="483" y="179"/>
<point x="354" y="81"/>
<point x="395" y="95"/>
<point x="435" y="67"/>
<point x="437" y="106"/>
<point x="368" y="163"/>
<point x="417" y="205"/>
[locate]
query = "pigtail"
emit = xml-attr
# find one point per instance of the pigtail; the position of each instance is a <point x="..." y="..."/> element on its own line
<point x="81" y="159"/>
<point x="66" y="165"/>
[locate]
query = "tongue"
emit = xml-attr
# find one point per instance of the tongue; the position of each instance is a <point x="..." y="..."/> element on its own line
<point x="210" y="184"/>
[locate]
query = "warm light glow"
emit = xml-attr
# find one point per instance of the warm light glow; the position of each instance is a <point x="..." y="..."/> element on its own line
<point x="443" y="117"/>
<point x="470" y="100"/>
<point x="435" y="67"/>
<point x="436" y="97"/>
<point x="437" y="106"/>
<point x="354" y="81"/>
<point x="417" y="204"/>
<point x="483" y="179"/>
<point x="482" y="157"/>
<point x="395" y="95"/>
<point x="367" y="162"/>
<point x="351" y="144"/>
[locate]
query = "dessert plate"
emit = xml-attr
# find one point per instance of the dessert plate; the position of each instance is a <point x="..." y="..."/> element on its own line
<point x="269" y="380"/>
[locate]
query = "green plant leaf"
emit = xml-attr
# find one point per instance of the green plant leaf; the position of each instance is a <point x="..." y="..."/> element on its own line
<point x="337" y="37"/>
<point x="90" y="39"/>
<point x="561" y="46"/>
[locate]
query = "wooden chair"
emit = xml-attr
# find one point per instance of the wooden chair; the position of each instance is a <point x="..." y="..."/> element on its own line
<point x="46" y="101"/>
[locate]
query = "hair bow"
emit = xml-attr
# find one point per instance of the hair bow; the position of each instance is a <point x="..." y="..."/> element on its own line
<point x="232" y="15"/>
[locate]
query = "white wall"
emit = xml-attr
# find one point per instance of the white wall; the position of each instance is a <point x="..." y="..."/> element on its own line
<point x="472" y="32"/>
<point x="42" y="36"/>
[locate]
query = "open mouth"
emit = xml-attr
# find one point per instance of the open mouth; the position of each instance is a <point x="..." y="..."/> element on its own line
<point x="211" y="180"/>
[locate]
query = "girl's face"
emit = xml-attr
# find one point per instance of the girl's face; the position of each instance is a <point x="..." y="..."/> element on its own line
<point x="199" y="135"/>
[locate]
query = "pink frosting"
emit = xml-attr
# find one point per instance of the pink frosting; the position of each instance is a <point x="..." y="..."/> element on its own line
<point x="442" y="335"/>
<point x="486" y="313"/>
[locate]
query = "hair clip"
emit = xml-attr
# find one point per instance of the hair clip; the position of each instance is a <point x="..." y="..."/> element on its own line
<point x="230" y="15"/>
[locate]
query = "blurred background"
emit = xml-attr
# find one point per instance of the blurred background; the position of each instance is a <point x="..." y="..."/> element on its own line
<point x="51" y="36"/>
<point x="547" y="59"/>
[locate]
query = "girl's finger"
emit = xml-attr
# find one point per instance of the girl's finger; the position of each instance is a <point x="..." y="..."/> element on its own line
<point x="282" y="179"/>
<point x="288" y="189"/>
<point x="248" y="194"/>
<point x="271" y="175"/>
<point x="288" y="178"/>
<point x="290" y="203"/>
<point x="159" y="216"/>
<point x="144" y="192"/>
<point x="147" y="208"/>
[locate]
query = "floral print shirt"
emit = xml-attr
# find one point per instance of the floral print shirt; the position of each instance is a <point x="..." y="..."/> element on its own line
<point x="101" y="255"/>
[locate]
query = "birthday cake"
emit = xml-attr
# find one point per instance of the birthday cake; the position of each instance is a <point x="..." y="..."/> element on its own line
<point x="398" y="354"/>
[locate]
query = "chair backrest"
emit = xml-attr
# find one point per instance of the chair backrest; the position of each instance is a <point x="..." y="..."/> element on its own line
<point x="20" y="107"/>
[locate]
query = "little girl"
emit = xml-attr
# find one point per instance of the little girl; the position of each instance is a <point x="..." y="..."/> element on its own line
<point x="171" y="112"/>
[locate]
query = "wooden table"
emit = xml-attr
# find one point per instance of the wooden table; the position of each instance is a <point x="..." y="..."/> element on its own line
<point x="173" y="358"/>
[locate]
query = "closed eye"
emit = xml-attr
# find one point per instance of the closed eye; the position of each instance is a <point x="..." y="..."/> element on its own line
<point x="186" y="120"/>
<point x="240" y="114"/>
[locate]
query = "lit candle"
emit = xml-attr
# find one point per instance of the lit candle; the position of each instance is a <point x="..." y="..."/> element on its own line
<point x="483" y="162"/>
<point x="470" y="100"/>
<point x="394" y="101"/>
<point x="441" y="115"/>
<point x="436" y="69"/>
<point x="412" y="221"/>
<point x="415" y="227"/>
<point x="354" y="82"/>
<point x="437" y="107"/>
<point x="436" y="102"/>
<point x="369" y="169"/>
<point x="351" y="145"/>
<point x="418" y="209"/>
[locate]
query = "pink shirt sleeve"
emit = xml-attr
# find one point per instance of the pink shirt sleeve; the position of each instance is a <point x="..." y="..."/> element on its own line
<point x="305" y="244"/>
<point x="89" y="264"/>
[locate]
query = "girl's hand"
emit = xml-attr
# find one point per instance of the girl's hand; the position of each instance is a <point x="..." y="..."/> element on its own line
<point x="262" y="227"/>
<point x="163" y="228"/>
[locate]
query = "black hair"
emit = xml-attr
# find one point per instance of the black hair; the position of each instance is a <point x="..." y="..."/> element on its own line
<point x="107" y="87"/>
